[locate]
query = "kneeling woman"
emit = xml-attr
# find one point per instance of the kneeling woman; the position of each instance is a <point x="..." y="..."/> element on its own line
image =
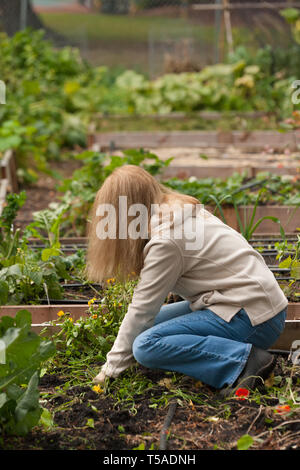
<point x="233" y="310"/>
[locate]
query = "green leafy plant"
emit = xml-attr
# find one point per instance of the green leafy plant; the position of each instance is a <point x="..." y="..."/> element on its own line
<point x="245" y="442"/>
<point x="249" y="227"/>
<point x="80" y="190"/>
<point x="288" y="255"/>
<point x="292" y="16"/>
<point x="279" y="189"/>
<point x="27" y="275"/>
<point x="51" y="95"/>
<point x="90" y="337"/>
<point x="24" y="353"/>
<point x="236" y="85"/>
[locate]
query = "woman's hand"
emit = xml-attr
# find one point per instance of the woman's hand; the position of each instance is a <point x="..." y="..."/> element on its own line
<point x="100" y="378"/>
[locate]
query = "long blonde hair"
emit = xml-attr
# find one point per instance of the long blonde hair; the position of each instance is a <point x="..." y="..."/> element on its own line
<point x="122" y="258"/>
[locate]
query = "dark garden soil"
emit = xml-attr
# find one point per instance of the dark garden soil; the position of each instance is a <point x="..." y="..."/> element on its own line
<point x="40" y="194"/>
<point x="77" y="294"/>
<point x="211" y="423"/>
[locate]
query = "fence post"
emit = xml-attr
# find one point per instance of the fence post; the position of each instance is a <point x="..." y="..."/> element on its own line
<point x="218" y="20"/>
<point x="23" y="14"/>
<point x="2" y="92"/>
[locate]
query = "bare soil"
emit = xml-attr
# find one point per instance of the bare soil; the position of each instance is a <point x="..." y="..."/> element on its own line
<point x="213" y="424"/>
<point x="40" y="194"/>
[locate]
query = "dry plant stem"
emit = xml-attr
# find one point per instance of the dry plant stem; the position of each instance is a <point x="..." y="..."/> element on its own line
<point x="94" y="289"/>
<point x="255" y="419"/>
<point x="166" y="425"/>
<point x="277" y="427"/>
<point x="289" y="384"/>
<point x="288" y="436"/>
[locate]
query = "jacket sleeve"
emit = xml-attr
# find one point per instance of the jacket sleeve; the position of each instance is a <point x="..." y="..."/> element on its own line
<point x="163" y="265"/>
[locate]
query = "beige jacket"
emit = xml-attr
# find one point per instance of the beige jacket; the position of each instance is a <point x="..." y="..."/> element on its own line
<point x="224" y="273"/>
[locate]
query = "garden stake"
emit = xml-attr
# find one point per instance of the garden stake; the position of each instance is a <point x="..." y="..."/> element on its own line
<point x="166" y="425"/>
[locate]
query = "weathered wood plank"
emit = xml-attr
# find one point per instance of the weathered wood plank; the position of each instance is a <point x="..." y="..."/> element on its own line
<point x="42" y="315"/>
<point x="196" y="139"/>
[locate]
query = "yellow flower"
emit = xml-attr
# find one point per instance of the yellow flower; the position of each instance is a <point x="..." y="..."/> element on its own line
<point x="60" y="313"/>
<point x="120" y="305"/>
<point x="71" y="319"/>
<point x="90" y="302"/>
<point x="95" y="316"/>
<point x="98" y="389"/>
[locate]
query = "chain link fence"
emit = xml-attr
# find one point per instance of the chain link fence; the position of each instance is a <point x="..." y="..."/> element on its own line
<point x="154" y="36"/>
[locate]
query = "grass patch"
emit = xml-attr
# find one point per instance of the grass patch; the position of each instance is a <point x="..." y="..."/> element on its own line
<point x="121" y="27"/>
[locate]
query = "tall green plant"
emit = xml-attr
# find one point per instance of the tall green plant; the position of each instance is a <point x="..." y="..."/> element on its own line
<point x="22" y="354"/>
<point x="28" y="275"/>
<point x="249" y="226"/>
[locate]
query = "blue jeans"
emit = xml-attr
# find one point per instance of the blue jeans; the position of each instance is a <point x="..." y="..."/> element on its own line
<point x="202" y="345"/>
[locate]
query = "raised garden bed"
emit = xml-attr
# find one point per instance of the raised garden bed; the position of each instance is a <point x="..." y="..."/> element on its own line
<point x="76" y="305"/>
<point x="43" y="314"/>
<point x="210" y="115"/>
<point x="231" y="151"/>
<point x="289" y="217"/>
<point x="255" y="140"/>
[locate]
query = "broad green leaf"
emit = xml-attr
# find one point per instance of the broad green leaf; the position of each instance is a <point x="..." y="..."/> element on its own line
<point x="285" y="263"/>
<point x="25" y="351"/>
<point x="10" y="142"/>
<point x="290" y="14"/>
<point x="3" y="400"/>
<point x="140" y="447"/>
<point x="14" y="392"/>
<point x="90" y="423"/>
<point x="295" y="269"/>
<point x="5" y="323"/>
<point x="48" y="252"/>
<point x="23" y="318"/>
<point x="46" y="419"/>
<point x="245" y="442"/>
<point x="28" y="410"/>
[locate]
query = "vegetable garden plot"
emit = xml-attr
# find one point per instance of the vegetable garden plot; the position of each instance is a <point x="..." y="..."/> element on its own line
<point x="211" y="153"/>
<point x="289" y="217"/>
<point x="77" y="294"/>
<point x="266" y="191"/>
<point x="131" y="414"/>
